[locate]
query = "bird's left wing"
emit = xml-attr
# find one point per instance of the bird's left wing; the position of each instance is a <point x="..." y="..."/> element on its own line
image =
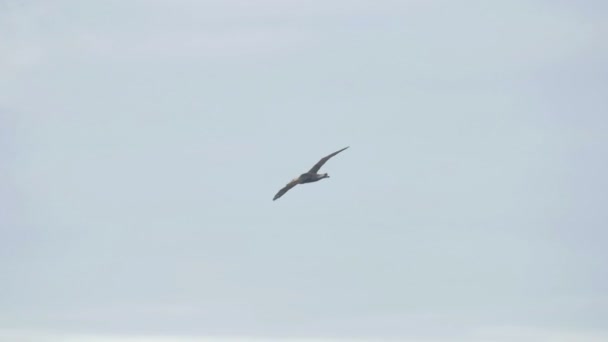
<point x="285" y="189"/>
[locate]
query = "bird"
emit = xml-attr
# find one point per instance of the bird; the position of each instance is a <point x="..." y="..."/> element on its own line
<point x="308" y="177"/>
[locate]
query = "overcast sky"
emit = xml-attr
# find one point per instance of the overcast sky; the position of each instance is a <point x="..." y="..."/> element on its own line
<point x="142" y="141"/>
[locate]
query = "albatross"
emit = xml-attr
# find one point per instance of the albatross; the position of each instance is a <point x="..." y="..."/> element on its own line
<point x="308" y="177"/>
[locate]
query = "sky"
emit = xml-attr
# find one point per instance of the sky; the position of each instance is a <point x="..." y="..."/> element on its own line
<point x="141" y="143"/>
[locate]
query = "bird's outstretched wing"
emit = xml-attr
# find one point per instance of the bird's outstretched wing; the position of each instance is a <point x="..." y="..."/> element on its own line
<point x="323" y="160"/>
<point x="285" y="189"/>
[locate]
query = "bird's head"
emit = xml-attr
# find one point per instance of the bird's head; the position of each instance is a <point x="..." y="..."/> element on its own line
<point x="325" y="175"/>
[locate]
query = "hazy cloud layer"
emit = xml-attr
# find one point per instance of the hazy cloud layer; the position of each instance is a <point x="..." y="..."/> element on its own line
<point x="141" y="143"/>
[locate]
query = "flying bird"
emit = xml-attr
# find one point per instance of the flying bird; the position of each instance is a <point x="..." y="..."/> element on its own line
<point x="308" y="177"/>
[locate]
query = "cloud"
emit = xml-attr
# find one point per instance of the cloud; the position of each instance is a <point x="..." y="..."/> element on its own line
<point x="525" y="334"/>
<point x="24" y="336"/>
<point x="481" y="39"/>
<point x="143" y="152"/>
<point x="489" y="334"/>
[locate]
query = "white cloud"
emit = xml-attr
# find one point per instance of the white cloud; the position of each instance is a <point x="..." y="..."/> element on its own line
<point x="24" y="336"/>
<point x="489" y="334"/>
<point x="525" y="334"/>
<point x="480" y="38"/>
<point x="92" y="136"/>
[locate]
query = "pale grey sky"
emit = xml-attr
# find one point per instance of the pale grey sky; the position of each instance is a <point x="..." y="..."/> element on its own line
<point x="141" y="143"/>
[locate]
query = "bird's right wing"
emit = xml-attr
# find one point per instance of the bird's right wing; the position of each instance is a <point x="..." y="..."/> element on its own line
<point x="323" y="160"/>
<point x="285" y="189"/>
